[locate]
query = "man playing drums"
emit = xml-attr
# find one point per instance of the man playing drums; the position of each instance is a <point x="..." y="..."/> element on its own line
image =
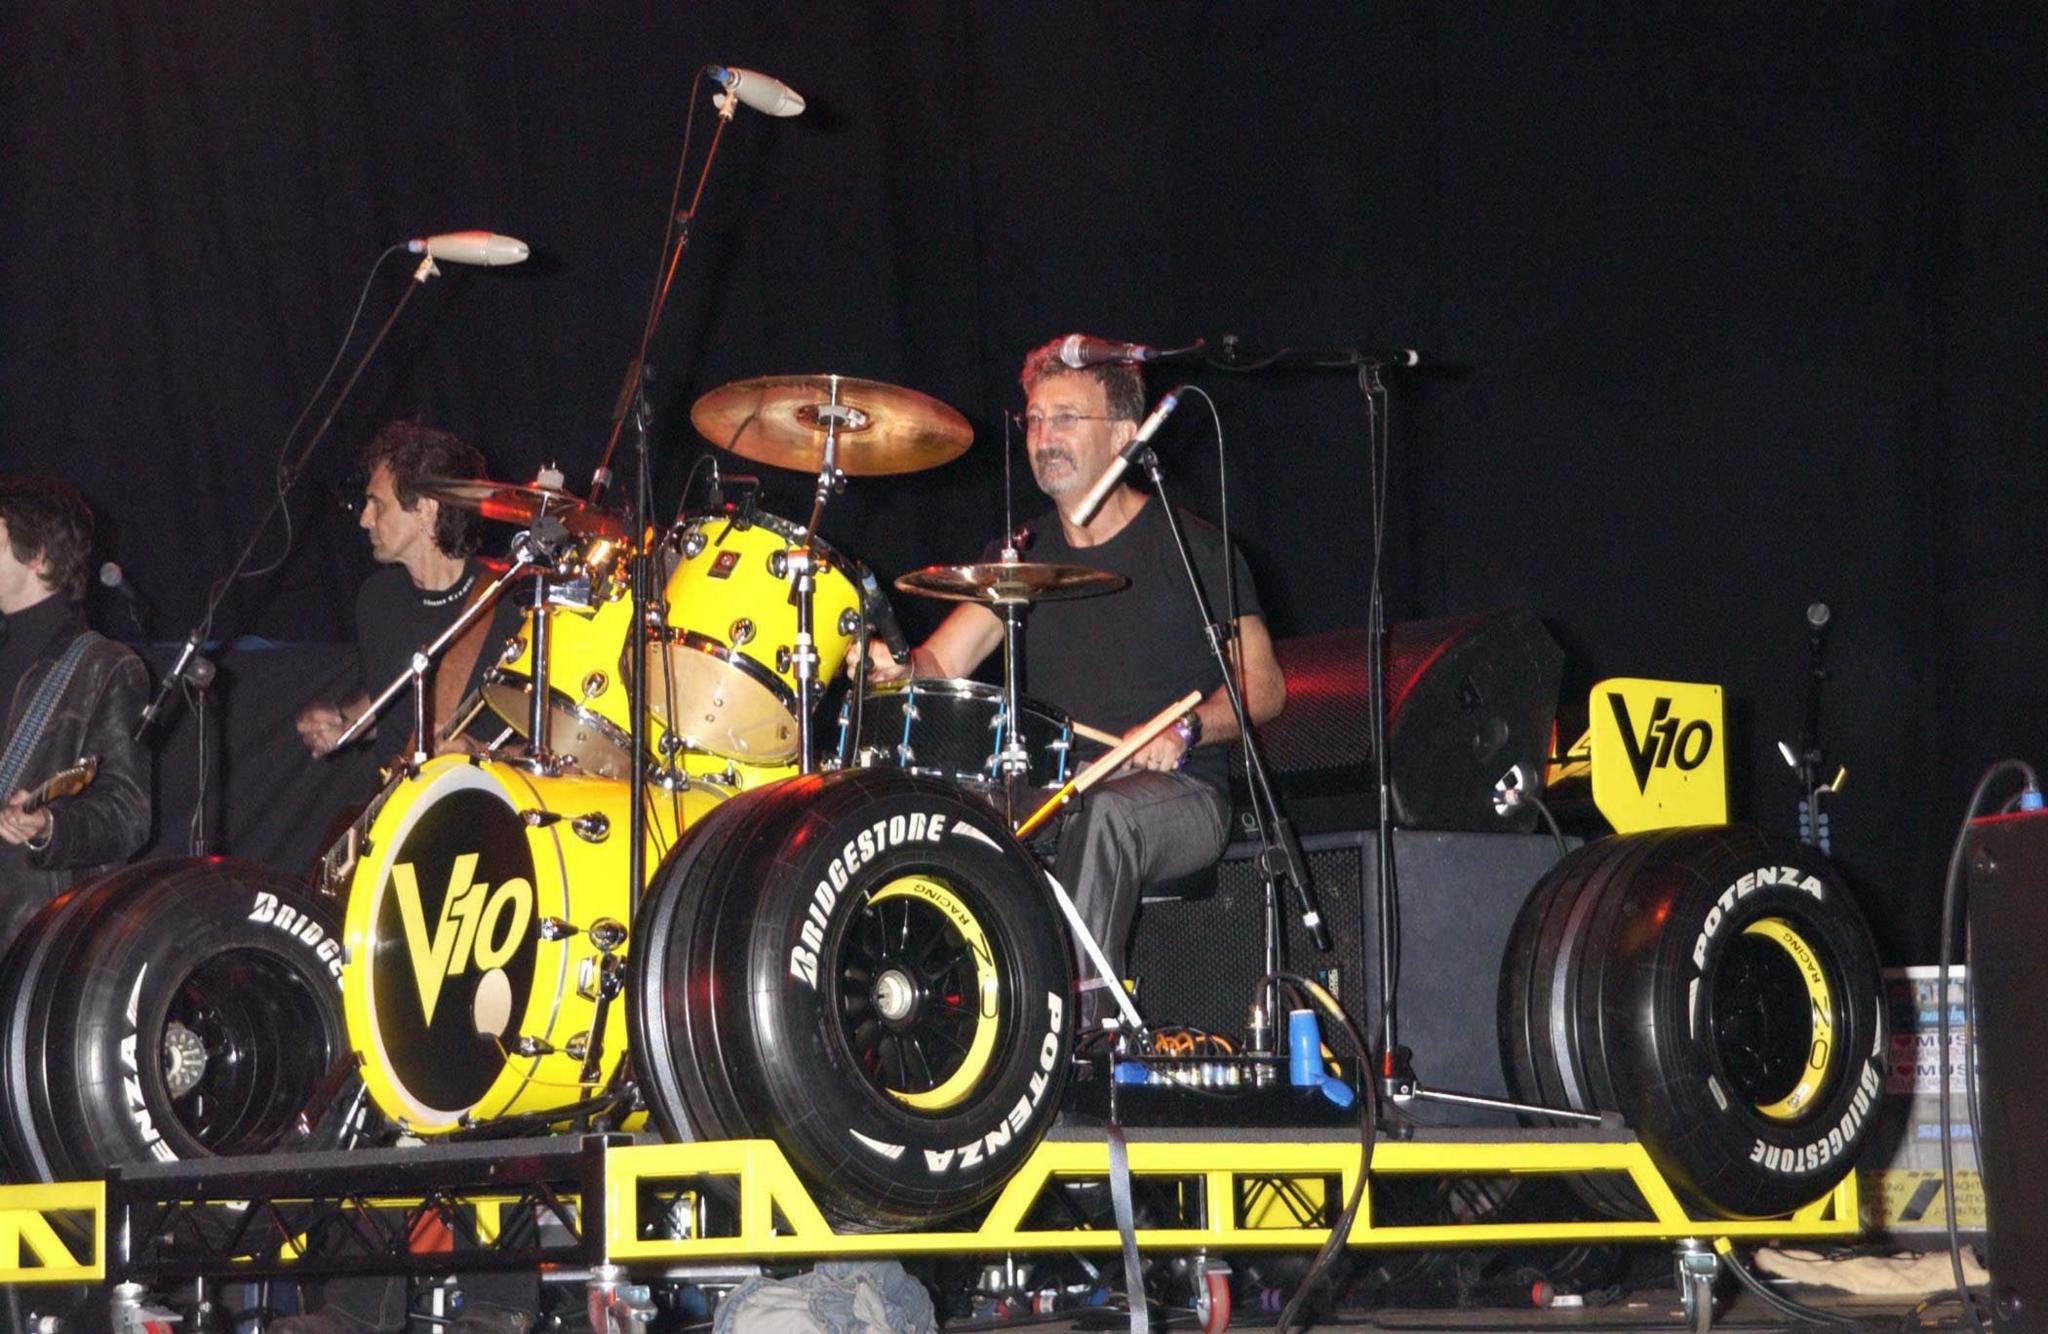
<point x="431" y="547"/>
<point x="1116" y="660"/>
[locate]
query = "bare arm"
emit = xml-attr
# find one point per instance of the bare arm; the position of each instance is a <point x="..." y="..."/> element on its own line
<point x="956" y="648"/>
<point x="1265" y="693"/>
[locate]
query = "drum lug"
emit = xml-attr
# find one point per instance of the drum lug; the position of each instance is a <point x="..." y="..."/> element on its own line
<point x="577" y="1047"/>
<point x="554" y="928"/>
<point x="538" y="819"/>
<point x="524" y="1045"/>
<point x="849" y="621"/>
<point x="594" y="827"/>
<point x="514" y="647"/>
<point x="741" y="631"/>
<point x="595" y="684"/>
<point x="778" y="564"/>
<point x="693" y="544"/>
<point x="607" y="934"/>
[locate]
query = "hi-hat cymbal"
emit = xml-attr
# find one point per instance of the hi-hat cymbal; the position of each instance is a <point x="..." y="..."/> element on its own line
<point x="513" y="502"/>
<point x="781" y="420"/>
<point x="999" y="582"/>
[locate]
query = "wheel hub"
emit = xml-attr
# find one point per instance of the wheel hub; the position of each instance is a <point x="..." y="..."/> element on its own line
<point x="894" y="996"/>
<point x="184" y="1055"/>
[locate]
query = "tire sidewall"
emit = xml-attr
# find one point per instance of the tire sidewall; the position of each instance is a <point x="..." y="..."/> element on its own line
<point x="142" y="951"/>
<point x="1731" y="1148"/>
<point x="788" y="1013"/>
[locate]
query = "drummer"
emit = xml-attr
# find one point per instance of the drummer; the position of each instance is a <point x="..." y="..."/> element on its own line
<point x="433" y="572"/>
<point x="1116" y="660"/>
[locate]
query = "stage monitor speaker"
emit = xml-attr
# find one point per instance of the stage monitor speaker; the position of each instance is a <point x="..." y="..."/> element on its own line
<point x="1470" y="702"/>
<point x="2007" y="860"/>
<point x="1197" y="962"/>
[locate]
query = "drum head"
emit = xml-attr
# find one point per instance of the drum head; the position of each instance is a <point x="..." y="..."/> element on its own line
<point x="595" y="744"/>
<point x="724" y="702"/>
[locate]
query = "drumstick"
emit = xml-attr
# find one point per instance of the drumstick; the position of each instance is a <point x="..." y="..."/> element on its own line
<point x="1109" y="762"/>
<point x="1095" y="733"/>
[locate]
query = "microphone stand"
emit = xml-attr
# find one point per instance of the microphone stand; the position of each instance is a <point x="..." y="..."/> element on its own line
<point x="1397" y="1079"/>
<point x="633" y="400"/>
<point x="1280" y="855"/>
<point x="287" y="477"/>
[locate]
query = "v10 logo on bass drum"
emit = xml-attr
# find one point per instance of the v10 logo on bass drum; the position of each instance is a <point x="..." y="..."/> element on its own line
<point x="454" y="946"/>
<point x="472" y="978"/>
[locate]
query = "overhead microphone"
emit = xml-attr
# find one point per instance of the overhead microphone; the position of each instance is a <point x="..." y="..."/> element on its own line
<point x="1122" y="462"/>
<point x="1079" y="352"/>
<point x="770" y="97"/>
<point x="113" y="577"/>
<point x="486" y="248"/>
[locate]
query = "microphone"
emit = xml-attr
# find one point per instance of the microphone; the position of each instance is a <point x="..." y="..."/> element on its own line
<point x="486" y="248"/>
<point x="1122" y="462"/>
<point x="114" y="578"/>
<point x="883" y="616"/>
<point x="1079" y="352"/>
<point x="770" y="97"/>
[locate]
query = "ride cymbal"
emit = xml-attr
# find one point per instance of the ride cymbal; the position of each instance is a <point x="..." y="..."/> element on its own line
<point x="999" y="582"/>
<point x="782" y="421"/>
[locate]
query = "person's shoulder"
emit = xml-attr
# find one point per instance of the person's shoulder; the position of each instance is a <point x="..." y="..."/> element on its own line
<point x="1199" y="531"/>
<point x="383" y="587"/>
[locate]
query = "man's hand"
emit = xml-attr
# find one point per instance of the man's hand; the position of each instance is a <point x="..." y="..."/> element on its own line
<point x="881" y="666"/>
<point x="320" y="726"/>
<point x="1162" y="752"/>
<point x="18" y="826"/>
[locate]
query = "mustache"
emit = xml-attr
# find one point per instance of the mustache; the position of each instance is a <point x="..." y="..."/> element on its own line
<point x="1045" y="456"/>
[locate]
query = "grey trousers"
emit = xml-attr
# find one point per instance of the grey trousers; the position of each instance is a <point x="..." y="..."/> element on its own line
<point x="1142" y="829"/>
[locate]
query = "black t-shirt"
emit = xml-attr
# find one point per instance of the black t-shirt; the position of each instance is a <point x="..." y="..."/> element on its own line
<point x="395" y="617"/>
<point x="1115" y="660"/>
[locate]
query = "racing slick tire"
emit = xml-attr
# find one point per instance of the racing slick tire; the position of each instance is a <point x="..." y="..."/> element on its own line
<point x="1719" y="988"/>
<point x="868" y="969"/>
<point x="174" y="1010"/>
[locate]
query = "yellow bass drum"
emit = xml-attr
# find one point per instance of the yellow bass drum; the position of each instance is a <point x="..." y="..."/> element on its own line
<point x="471" y="973"/>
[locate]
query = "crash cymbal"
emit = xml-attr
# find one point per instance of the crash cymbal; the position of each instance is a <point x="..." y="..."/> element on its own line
<point x="781" y="420"/>
<point x="513" y="502"/>
<point x="999" y="582"/>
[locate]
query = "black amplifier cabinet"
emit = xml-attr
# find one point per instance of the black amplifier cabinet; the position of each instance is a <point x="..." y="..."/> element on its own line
<point x="1197" y="959"/>
<point x="2007" y="860"/>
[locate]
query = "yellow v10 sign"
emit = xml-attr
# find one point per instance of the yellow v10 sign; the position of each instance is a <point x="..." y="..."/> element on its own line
<point x="1659" y="754"/>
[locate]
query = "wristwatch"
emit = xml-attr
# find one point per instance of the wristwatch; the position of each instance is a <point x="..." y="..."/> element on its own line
<point x="1188" y="727"/>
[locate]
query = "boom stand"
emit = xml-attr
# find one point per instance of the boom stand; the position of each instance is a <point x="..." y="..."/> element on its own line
<point x="1279" y="848"/>
<point x="1398" y="1084"/>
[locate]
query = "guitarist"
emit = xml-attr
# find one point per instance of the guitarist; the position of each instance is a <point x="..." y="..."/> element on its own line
<point x="65" y="693"/>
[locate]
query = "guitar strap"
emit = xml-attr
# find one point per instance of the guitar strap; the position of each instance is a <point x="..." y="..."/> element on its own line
<point x="42" y="706"/>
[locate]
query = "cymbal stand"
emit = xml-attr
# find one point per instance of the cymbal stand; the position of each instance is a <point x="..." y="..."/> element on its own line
<point x="414" y="676"/>
<point x="1013" y="761"/>
<point x="800" y="565"/>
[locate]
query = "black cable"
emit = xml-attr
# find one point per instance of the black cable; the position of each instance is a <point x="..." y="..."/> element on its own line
<point x="1556" y="834"/>
<point x="1368" y="1088"/>
<point x="1951" y="901"/>
<point x="1778" y="1301"/>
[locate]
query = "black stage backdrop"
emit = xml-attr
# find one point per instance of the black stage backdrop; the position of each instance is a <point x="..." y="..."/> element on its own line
<point x="1743" y="300"/>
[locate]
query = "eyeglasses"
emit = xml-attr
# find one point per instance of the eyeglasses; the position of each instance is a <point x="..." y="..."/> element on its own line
<point x="1062" y="422"/>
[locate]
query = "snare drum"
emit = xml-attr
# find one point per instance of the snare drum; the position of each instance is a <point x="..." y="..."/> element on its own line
<point x="953" y="729"/>
<point x="722" y="678"/>
<point x="471" y="976"/>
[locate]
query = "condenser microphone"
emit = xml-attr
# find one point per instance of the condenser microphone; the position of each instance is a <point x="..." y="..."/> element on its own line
<point x="1079" y="352"/>
<point x="113" y="577"/>
<point x="486" y="248"/>
<point x="770" y="97"/>
<point x="1119" y="465"/>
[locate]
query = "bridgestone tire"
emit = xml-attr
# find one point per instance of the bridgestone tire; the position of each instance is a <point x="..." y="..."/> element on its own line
<point x="170" y="1011"/>
<point x="866" y="968"/>
<point x="1719" y="989"/>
